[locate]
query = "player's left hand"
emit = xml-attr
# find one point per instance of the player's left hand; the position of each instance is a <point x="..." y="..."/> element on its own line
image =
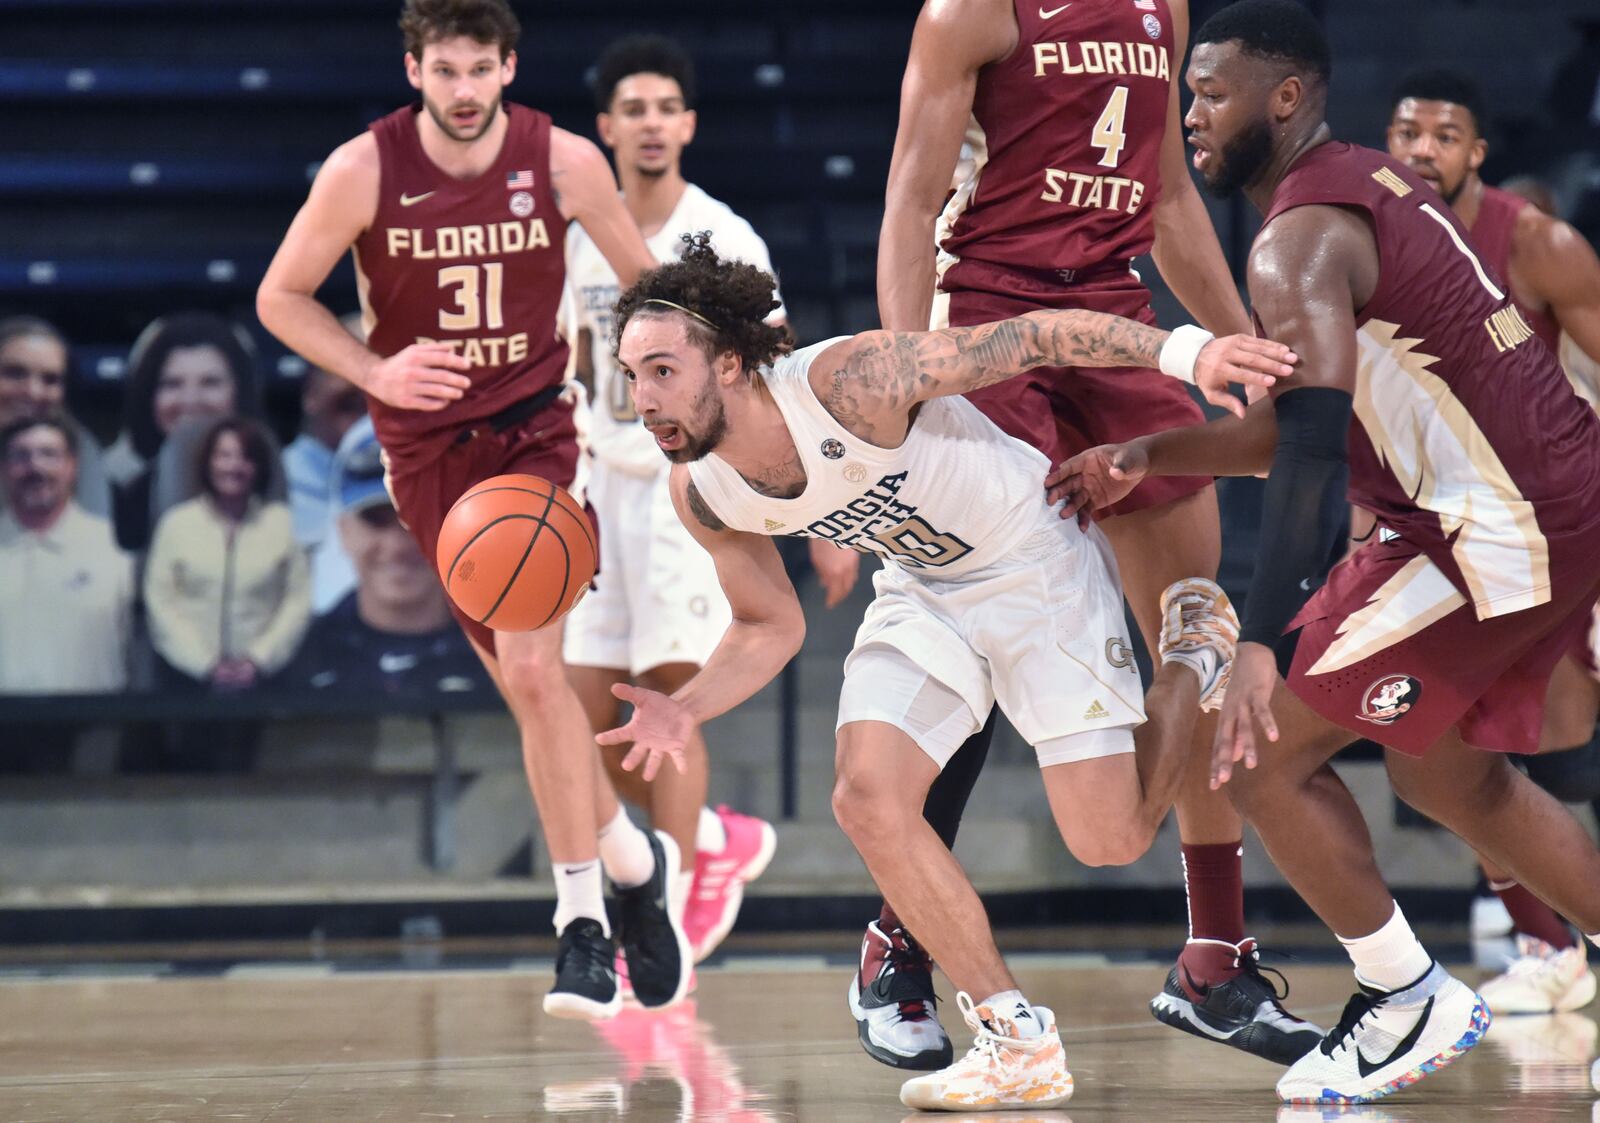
<point x="837" y="569"/>
<point x="1244" y="359"/>
<point x="1248" y="703"/>
<point x="659" y="727"/>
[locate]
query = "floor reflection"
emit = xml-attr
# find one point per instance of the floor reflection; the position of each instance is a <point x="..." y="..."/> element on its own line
<point x="670" y="1067"/>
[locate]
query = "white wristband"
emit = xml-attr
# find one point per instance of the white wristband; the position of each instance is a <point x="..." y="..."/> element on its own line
<point x="1181" y="351"/>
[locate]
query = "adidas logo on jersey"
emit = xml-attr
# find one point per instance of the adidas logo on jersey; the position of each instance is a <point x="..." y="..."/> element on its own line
<point x="773" y="524"/>
<point x="1096" y="711"/>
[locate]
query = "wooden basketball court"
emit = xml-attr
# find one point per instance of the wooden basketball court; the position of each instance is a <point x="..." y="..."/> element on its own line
<point x="765" y="1037"/>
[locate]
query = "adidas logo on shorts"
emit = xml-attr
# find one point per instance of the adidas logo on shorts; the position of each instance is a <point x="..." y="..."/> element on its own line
<point x="1095" y="711"/>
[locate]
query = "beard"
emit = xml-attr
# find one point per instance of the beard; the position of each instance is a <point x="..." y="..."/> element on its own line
<point x="490" y="111"/>
<point x="1241" y="160"/>
<point x="712" y="422"/>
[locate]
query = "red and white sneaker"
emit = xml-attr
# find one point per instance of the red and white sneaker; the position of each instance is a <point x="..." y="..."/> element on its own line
<point x="892" y="1001"/>
<point x="720" y="878"/>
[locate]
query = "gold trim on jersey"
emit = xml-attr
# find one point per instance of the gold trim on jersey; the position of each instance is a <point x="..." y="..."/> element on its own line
<point x="1417" y="596"/>
<point x="1440" y="456"/>
<point x="976" y="142"/>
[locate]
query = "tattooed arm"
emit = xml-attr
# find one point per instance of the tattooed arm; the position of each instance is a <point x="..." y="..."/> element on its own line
<point x="879" y="375"/>
<point x="768" y="625"/>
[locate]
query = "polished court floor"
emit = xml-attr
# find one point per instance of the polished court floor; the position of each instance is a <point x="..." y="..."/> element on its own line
<point x="765" y="1037"/>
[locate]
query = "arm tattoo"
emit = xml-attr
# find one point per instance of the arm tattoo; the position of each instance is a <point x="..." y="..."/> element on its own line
<point x="702" y="511"/>
<point x="886" y="373"/>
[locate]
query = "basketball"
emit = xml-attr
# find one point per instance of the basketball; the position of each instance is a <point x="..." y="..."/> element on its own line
<point x="516" y="553"/>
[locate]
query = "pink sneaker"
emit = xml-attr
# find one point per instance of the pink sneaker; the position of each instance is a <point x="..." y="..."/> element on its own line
<point x="720" y="878"/>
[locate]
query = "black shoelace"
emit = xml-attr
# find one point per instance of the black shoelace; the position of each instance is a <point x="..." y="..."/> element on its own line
<point x="1360" y="1005"/>
<point x="1251" y="965"/>
<point x="905" y="956"/>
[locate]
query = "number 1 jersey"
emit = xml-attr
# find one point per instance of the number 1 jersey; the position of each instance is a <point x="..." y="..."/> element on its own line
<point x="1467" y="439"/>
<point x="475" y="263"/>
<point x="1065" y="135"/>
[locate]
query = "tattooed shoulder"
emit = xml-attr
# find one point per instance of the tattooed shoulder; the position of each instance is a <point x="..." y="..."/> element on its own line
<point x="702" y="511"/>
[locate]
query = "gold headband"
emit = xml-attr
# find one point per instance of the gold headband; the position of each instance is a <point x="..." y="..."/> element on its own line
<point x="685" y="311"/>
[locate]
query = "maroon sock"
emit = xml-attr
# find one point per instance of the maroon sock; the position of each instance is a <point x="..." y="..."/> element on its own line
<point x="1213" y="876"/>
<point x="1532" y="917"/>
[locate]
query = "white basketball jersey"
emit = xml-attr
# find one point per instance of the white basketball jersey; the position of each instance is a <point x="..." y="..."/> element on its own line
<point x="956" y="497"/>
<point x="615" y="434"/>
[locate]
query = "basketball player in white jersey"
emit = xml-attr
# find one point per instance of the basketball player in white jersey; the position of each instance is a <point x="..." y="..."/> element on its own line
<point x="986" y="596"/>
<point x="656" y="611"/>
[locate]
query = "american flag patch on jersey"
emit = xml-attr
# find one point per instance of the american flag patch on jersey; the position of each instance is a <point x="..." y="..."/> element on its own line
<point x="1145" y="5"/>
<point x="519" y="181"/>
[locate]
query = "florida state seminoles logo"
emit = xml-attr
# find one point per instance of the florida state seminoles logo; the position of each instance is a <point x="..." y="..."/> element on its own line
<point x="1390" y="699"/>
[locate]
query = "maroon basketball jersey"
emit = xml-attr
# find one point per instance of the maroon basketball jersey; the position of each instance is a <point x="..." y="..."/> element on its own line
<point x="1491" y="232"/>
<point x="1466" y="439"/>
<point x="477" y="263"/>
<point x="1066" y="137"/>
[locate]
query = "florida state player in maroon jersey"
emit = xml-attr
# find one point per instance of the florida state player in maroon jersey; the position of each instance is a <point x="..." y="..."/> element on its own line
<point x="1071" y="116"/>
<point x="1436" y="638"/>
<point x="1437" y="128"/>
<point x="456" y="210"/>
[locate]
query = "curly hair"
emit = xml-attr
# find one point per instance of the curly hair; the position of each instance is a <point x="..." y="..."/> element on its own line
<point x="483" y="21"/>
<point x="727" y="303"/>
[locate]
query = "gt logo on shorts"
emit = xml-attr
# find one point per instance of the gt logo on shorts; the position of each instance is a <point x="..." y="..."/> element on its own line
<point x="1118" y="653"/>
<point x="1390" y="699"/>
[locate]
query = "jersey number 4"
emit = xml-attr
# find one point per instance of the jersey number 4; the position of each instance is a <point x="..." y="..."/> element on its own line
<point x="478" y="290"/>
<point x="1109" y="136"/>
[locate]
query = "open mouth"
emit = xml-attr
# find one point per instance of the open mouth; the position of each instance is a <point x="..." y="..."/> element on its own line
<point x="465" y="118"/>
<point x="668" y="437"/>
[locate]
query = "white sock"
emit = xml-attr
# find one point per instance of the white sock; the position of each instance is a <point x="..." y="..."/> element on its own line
<point x="1390" y="958"/>
<point x="685" y="883"/>
<point x="1010" y="1004"/>
<point x="710" y="836"/>
<point x="578" y="893"/>
<point x="1594" y="939"/>
<point x="625" y="851"/>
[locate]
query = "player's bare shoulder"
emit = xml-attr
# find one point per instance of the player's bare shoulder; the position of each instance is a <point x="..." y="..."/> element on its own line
<point x="693" y="510"/>
<point x="1313" y="249"/>
<point x="345" y="192"/>
<point x="868" y="382"/>
<point x="979" y="31"/>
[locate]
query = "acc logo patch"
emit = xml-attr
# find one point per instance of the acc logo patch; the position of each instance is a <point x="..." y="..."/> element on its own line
<point x="1390" y="699"/>
<point x="522" y="204"/>
<point x="832" y="449"/>
<point x="1152" y="27"/>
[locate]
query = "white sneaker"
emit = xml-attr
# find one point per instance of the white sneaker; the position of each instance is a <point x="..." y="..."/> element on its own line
<point x="1490" y="918"/>
<point x="1361" y="1060"/>
<point x="1200" y="630"/>
<point x="1000" y="1071"/>
<point x="1542" y="980"/>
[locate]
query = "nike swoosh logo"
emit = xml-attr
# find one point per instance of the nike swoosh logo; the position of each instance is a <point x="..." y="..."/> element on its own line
<point x="1053" y="12"/>
<point x="1367" y="1068"/>
<point x="413" y="200"/>
<point x="1194" y="987"/>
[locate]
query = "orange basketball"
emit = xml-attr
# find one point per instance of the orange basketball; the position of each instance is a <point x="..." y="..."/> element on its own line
<point x="516" y="552"/>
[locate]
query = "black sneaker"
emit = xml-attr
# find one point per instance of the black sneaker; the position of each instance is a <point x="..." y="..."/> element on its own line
<point x="651" y="931"/>
<point x="892" y="1001"/>
<point x="586" y="985"/>
<point x="1245" y="1012"/>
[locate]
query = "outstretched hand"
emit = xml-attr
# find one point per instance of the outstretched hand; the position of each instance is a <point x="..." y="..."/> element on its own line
<point x="659" y="727"/>
<point x="1242" y="359"/>
<point x="1097" y="478"/>
<point x="1248" y="703"/>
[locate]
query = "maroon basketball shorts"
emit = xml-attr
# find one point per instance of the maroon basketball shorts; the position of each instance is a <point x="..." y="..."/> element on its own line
<point x="1391" y="650"/>
<point x="1062" y="411"/>
<point x="427" y="481"/>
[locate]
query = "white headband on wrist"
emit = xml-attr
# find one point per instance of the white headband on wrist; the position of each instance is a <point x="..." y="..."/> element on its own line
<point x="1181" y="351"/>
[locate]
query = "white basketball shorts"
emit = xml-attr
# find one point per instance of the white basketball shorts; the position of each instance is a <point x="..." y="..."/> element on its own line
<point x="1043" y="635"/>
<point x="656" y="599"/>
